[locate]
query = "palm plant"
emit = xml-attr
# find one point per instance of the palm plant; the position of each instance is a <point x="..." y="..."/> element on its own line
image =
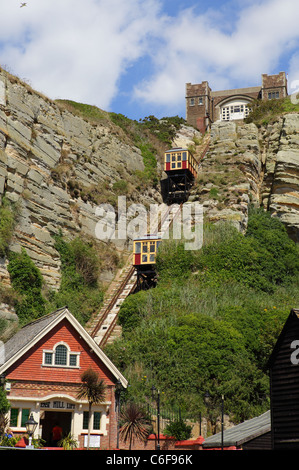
<point x="94" y="390"/>
<point x="135" y="423"/>
<point x="68" y="442"/>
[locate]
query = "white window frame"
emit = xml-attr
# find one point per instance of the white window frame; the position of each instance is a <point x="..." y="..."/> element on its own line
<point x="69" y="353"/>
<point x="228" y="110"/>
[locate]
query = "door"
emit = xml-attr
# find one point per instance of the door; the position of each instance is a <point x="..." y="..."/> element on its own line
<point x="50" y="419"/>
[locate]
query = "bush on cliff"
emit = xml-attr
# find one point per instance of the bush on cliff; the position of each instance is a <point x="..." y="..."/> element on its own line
<point x="27" y="281"/>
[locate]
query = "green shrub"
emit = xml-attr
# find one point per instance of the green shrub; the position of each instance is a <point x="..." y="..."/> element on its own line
<point x="178" y="429"/>
<point x="264" y="258"/>
<point x="120" y="187"/>
<point x="173" y="261"/>
<point x="7" y="223"/>
<point x="79" y="289"/>
<point x="27" y="281"/>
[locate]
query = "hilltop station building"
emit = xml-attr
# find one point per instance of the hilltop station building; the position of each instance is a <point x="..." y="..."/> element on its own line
<point x="204" y="106"/>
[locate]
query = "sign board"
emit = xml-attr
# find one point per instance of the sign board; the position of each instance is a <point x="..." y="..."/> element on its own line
<point x="94" y="440"/>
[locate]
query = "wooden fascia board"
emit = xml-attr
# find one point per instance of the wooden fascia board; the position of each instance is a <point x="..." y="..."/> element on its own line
<point x="87" y="338"/>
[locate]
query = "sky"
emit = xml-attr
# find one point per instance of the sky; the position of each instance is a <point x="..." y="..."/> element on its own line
<point x="135" y="57"/>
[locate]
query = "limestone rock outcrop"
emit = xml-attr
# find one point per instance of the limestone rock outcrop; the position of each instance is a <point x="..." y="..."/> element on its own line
<point x="46" y="153"/>
<point x="283" y="165"/>
<point x="229" y="174"/>
<point x="250" y="165"/>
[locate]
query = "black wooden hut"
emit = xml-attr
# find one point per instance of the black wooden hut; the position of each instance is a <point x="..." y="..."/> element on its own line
<point x="284" y="386"/>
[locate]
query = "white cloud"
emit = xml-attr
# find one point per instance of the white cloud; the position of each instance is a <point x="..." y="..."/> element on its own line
<point x="197" y="49"/>
<point x="79" y="49"/>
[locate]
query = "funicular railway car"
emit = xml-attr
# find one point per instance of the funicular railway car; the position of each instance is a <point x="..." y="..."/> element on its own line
<point x="180" y="167"/>
<point x="144" y="259"/>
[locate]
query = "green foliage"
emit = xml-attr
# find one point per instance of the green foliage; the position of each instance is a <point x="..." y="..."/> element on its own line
<point x="92" y="113"/>
<point x="165" y="129"/>
<point x="131" y="311"/>
<point x="141" y="140"/>
<point x="4" y="403"/>
<point x="213" y="319"/>
<point x="27" y="281"/>
<point x="120" y="187"/>
<point x="79" y="288"/>
<point x="173" y="261"/>
<point x="68" y="442"/>
<point x="264" y="111"/>
<point x="264" y="258"/>
<point x="150" y="162"/>
<point x="178" y="429"/>
<point x="80" y="262"/>
<point x="7" y="223"/>
<point x="8" y="440"/>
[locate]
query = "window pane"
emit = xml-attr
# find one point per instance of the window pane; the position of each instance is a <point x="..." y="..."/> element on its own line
<point x="152" y="247"/>
<point x="144" y="247"/>
<point x="144" y="258"/>
<point x="184" y="156"/>
<point x="60" y="355"/>
<point x="25" y="417"/>
<point x="96" y="420"/>
<point x="48" y="358"/>
<point x="73" y="359"/>
<point x="168" y="157"/>
<point x="14" y="417"/>
<point x="85" y="419"/>
<point x="137" y="247"/>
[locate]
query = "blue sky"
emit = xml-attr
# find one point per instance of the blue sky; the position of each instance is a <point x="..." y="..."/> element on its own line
<point x="134" y="57"/>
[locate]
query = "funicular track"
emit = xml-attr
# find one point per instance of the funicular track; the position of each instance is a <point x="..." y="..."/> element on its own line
<point x="104" y="325"/>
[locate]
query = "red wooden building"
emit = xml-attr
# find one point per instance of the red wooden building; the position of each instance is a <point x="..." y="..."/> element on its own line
<point x="43" y="364"/>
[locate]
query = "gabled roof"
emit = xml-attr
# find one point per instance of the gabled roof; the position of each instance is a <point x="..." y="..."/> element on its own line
<point x="241" y="433"/>
<point x="294" y="314"/>
<point x="31" y="333"/>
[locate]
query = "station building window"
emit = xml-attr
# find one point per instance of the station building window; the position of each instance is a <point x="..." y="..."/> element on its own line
<point x="61" y="356"/>
<point x="18" y="417"/>
<point x="234" y="110"/>
<point x="96" y="420"/>
<point x="273" y="95"/>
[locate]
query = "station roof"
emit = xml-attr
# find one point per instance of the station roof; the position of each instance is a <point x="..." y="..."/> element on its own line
<point x="241" y="433"/>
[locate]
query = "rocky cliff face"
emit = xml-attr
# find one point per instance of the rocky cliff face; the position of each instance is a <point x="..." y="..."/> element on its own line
<point x="249" y="165"/>
<point x="280" y="186"/>
<point x="52" y="162"/>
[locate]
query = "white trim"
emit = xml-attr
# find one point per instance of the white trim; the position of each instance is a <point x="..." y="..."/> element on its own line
<point x="65" y="313"/>
<point x="53" y="355"/>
